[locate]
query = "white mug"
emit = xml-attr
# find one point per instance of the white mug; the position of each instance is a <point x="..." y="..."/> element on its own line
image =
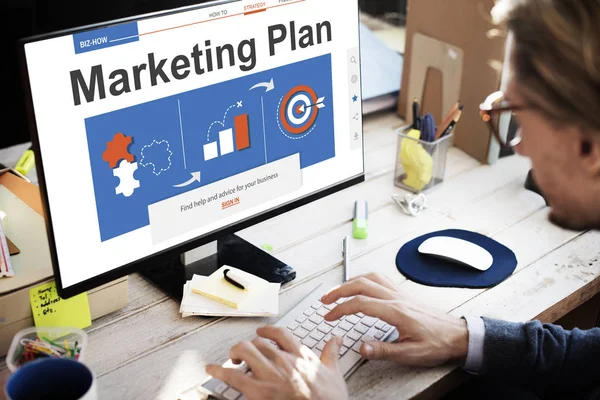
<point x="52" y="378"/>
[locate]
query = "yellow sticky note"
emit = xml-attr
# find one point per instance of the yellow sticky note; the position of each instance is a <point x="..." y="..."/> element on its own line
<point x="50" y="310"/>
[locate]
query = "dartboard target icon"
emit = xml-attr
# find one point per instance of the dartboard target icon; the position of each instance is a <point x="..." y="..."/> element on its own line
<point x="299" y="109"/>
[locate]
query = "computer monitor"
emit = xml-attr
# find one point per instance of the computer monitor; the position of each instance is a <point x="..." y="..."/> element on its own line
<point x="157" y="134"/>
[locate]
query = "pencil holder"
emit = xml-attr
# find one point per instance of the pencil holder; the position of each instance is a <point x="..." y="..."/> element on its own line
<point x="420" y="165"/>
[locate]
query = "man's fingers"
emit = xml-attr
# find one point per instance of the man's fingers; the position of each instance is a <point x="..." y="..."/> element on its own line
<point x="359" y="286"/>
<point x="233" y="377"/>
<point x="330" y="356"/>
<point x="410" y="354"/>
<point x="256" y="361"/>
<point x="284" y="339"/>
<point x="382" y="309"/>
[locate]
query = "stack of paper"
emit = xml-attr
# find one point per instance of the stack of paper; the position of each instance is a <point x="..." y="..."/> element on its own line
<point x="260" y="300"/>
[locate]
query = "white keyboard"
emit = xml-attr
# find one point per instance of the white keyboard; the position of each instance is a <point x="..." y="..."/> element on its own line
<point x="306" y="323"/>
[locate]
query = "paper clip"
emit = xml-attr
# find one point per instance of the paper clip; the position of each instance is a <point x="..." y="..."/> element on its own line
<point x="411" y="204"/>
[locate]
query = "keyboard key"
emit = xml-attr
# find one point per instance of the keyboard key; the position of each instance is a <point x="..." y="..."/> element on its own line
<point x="292" y="326"/>
<point x="386" y="327"/>
<point x="309" y="342"/>
<point x="357" y="346"/>
<point x="221" y="388"/>
<point x="301" y="332"/>
<point x="318" y="335"/>
<point x="309" y="312"/>
<point x="368" y="321"/>
<point x="348" y="342"/>
<point x="354" y="335"/>
<point x="338" y="332"/>
<point x="327" y="338"/>
<point x="301" y="318"/>
<point x="330" y="306"/>
<point x="323" y="327"/>
<point x="231" y="394"/>
<point x="360" y="315"/>
<point x="343" y="350"/>
<point x="317" y="305"/>
<point x="316" y="319"/>
<point x="345" y="326"/>
<point x="317" y="352"/>
<point x="379" y="324"/>
<point x="379" y="335"/>
<point x="333" y="323"/>
<point x="322" y="311"/>
<point x="320" y="346"/>
<point x="353" y="319"/>
<point x="340" y="301"/>
<point x="309" y="326"/>
<point x="360" y="328"/>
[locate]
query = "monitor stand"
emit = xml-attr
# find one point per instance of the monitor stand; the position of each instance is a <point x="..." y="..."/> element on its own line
<point x="232" y="250"/>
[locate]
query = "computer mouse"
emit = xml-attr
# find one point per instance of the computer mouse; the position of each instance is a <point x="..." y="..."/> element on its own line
<point x="459" y="251"/>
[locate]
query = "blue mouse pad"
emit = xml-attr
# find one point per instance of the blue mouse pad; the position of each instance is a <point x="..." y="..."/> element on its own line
<point x="431" y="271"/>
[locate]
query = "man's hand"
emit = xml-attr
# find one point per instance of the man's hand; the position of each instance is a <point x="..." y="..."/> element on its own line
<point x="291" y="372"/>
<point x="427" y="337"/>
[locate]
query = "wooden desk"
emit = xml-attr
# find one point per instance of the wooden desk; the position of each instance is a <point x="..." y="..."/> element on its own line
<point x="147" y="351"/>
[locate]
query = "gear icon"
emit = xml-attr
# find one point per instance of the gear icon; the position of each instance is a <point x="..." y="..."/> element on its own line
<point x="116" y="150"/>
<point x="128" y="183"/>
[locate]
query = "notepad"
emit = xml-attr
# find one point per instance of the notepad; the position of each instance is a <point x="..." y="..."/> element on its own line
<point x="258" y="299"/>
<point x="265" y="304"/>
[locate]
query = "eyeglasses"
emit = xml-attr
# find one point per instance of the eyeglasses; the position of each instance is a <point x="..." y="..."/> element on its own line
<point x="496" y="111"/>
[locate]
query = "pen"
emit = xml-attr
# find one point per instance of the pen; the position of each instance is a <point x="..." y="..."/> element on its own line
<point x="416" y="114"/>
<point x="345" y="245"/>
<point x="235" y="282"/>
<point x="447" y="121"/>
<point x="454" y="121"/>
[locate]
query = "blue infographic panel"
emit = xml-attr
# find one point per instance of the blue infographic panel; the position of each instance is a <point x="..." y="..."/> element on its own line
<point x="153" y="151"/>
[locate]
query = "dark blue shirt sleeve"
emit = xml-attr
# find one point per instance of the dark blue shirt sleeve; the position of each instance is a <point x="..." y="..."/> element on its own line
<point x="546" y="359"/>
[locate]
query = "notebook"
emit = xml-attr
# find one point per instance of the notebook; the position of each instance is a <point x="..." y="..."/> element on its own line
<point x="200" y="296"/>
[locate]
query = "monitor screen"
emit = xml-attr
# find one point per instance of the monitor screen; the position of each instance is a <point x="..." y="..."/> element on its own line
<point x="156" y="132"/>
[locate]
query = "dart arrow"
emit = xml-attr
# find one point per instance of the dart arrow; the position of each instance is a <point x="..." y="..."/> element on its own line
<point x="319" y="105"/>
<point x="195" y="177"/>
<point x="269" y="85"/>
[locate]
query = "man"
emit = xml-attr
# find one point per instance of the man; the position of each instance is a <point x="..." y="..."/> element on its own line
<point x="554" y="94"/>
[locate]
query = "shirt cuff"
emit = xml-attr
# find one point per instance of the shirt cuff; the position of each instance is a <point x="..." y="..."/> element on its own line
<point x="476" y="329"/>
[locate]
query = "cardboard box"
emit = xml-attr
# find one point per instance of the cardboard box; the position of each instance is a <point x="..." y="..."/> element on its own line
<point x="462" y="25"/>
<point x="24" y="225"/>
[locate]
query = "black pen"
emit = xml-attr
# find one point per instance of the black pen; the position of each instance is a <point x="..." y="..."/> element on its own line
<point x="233" y="282"/>
<point x="415" y="114"/>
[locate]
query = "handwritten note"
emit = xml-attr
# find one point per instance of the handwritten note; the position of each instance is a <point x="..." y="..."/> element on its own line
<point x="51" y="310"/>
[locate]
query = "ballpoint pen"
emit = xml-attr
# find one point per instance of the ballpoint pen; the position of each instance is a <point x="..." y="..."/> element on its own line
<point x="345" y="245"/>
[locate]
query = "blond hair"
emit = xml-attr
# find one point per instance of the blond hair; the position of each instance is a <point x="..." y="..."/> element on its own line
<point x="556" y="57"/>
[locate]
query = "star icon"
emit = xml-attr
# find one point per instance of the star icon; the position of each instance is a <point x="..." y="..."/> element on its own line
<point x="354" y="98"/>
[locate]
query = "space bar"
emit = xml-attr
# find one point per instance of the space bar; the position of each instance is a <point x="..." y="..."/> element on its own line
<point x="348" y="361"/>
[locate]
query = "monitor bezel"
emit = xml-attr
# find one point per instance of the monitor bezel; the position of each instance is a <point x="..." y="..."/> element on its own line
<point x="177" y="250"/>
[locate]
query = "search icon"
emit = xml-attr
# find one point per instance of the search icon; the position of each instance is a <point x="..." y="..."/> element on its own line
<point x="353" y="60"/>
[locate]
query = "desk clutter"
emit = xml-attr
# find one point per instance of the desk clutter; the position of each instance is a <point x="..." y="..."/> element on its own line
<point x="36" y="343"/>
<point x="230" y="292"/>
<point x="422" y="149"/>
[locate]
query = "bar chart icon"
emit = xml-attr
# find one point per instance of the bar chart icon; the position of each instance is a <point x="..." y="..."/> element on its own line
<point x="226" y="142"/>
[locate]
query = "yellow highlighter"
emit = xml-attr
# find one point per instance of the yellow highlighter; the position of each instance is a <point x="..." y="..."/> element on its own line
<point x="26" y="162"/>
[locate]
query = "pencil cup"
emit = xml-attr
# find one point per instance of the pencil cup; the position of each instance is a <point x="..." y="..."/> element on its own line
<point x="35" y="343"/>
<point x="420" y="165"/>
<point x="52" y="378"/>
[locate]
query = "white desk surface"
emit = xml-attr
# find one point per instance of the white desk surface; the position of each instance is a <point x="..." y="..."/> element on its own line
<point x="147" y="351"/>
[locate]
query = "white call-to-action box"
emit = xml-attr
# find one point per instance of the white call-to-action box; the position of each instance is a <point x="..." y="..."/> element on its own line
<point x="191" y="210"/>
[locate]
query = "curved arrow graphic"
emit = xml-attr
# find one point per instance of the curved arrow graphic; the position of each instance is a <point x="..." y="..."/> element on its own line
<point x="269" y="85"/>
<point x="195" y="177"/>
